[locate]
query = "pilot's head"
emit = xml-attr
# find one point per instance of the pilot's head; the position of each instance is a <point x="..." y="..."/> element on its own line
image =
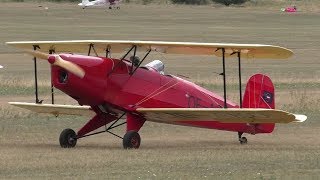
<point x="135" y="60"/>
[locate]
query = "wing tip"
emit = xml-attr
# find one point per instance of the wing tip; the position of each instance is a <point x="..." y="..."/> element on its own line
<point x="300" y="117"/>
<point x="12" y="103"/>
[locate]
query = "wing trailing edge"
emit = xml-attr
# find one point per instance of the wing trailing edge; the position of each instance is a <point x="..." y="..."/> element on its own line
<point x="230" y="115"/>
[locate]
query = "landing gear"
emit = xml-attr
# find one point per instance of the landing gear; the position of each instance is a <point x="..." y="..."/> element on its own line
<point x="243" y="140"/>
<point x="68" y="138"/>
<point x="131" y="140"/>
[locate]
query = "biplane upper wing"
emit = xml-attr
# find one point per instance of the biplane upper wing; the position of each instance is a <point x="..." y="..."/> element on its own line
<point x="230" y="115"/>
<point x="55" y="109"/>
<point x="188" y="48"/>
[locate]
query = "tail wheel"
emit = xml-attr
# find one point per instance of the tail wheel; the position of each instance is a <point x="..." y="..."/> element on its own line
<point x="243" y="140"/>
<point x="68" y="138"/>
<point x="131" y="140"/>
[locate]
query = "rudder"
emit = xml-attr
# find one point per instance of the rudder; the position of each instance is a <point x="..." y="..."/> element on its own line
<point x="259" y="93"/>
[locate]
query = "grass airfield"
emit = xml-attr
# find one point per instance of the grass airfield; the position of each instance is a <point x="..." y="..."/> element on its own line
<point x="29" y="147"/>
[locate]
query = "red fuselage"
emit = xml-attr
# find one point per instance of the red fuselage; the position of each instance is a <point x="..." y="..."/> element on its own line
<point x="108" y="82"/>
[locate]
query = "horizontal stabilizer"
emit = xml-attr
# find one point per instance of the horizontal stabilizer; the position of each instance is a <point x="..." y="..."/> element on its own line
<point x="230" y="115"/>
<point x="55" y="109"/>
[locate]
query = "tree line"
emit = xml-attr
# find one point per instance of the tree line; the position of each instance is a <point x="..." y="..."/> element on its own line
<point x="202" y="2"/>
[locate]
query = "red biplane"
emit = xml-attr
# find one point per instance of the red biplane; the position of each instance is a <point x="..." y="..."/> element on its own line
<point x="111" y="88"/>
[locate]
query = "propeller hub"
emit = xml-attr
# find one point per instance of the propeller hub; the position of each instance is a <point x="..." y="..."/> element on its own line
<point x="52" y="59"/>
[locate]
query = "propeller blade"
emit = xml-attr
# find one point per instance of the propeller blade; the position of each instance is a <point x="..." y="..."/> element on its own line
<point x="58" y="61"/>
<point x="69" y="66"/>
<point x="38" y="54"/>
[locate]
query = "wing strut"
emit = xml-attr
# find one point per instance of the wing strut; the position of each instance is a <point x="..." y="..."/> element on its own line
<point x="108" y="52"/>
<point x="145" y="56"/>
<point x="134" y="56"/>
<point x="35" y="47"/>
<point x="123" y="57"/>
<point x="240" y="91"/>
<point x="239" y="69"/>
<point x="224" y="76"/>
<point x="91" y="46"/>
<point x="51" y="51"/>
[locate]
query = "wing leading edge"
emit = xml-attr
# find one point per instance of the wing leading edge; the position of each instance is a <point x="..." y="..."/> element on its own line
<point x="55" y="109"/>
<point x="230" y="115"/>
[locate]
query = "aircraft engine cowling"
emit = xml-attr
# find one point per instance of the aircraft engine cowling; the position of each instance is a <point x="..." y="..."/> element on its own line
<point x="88" y="88"/>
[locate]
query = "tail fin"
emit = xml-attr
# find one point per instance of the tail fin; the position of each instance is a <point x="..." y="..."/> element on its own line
<point x="259" y="93"/>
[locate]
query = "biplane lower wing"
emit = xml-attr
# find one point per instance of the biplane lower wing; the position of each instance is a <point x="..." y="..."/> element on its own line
<point x="230" y="115"/>
<point x="55" y="109"/>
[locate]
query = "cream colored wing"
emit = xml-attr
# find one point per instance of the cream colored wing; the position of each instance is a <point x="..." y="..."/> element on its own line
<point x="188" y="48"/>
<point x="230" y="115"/>
<point x="55" y="109"/>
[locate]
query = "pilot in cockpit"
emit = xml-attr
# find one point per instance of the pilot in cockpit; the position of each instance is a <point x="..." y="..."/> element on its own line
<point x="155" y="65"/>
<point x="135" y="60"/>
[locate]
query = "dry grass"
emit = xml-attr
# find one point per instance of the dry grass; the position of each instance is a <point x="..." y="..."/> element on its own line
<point x="29" y="143"/>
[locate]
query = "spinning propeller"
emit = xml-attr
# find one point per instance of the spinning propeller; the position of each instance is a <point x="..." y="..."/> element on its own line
<point x="56" y="60"/>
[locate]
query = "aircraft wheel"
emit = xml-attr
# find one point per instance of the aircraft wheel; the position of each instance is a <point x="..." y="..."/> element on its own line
<point x="243" y="140"/>
<point x="68" y="139"/>
<point x="131" y="140"/>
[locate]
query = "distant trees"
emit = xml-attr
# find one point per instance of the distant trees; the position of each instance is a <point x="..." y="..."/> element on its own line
<point x="199" y="2"/>
<point x="229" y="2"/>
